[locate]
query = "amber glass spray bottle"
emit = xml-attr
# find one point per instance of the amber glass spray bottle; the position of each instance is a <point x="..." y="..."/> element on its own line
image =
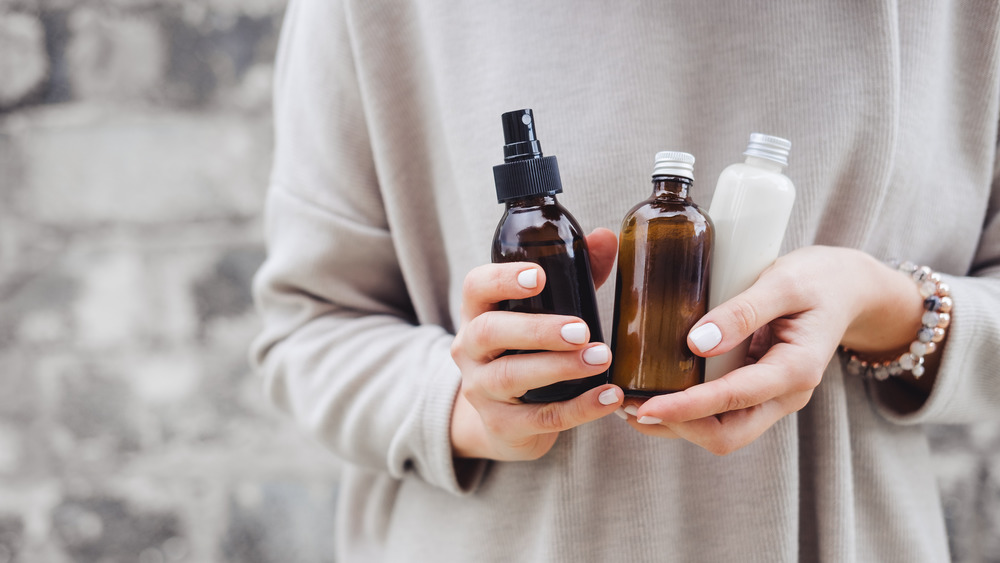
<point x="662" y="285"/>
<point x="536" y="228"/>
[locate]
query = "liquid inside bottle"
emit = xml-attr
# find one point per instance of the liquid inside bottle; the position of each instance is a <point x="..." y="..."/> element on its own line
<point x="662" y="285"/>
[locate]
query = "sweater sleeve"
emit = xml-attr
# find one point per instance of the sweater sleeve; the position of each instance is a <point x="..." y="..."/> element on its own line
<point x="341" y="350"/>
<point x="967" y="387"/>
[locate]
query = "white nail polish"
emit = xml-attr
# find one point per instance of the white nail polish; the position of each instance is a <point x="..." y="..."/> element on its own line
<point x="597" y="355"/>
<point x="574" y="333"/>
<point x="528" y="279"/>
<point x="608" y="397"/>
<point x="631" y="409"/>
<point x="649" y="420"/>
<point x="706" y="337"/>
<point x="621" y="414"/>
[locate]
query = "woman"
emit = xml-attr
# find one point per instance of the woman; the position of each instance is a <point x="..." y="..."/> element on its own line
<point x="381" y="336"/>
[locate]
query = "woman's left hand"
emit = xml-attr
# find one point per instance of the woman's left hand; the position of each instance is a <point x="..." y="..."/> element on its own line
<point x="799" y="310"/>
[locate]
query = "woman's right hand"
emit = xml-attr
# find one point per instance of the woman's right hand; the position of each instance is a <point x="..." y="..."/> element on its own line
<point x="488" y="420"/>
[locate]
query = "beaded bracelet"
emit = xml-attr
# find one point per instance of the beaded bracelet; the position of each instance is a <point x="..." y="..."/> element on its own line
<point x="936" y="318"/>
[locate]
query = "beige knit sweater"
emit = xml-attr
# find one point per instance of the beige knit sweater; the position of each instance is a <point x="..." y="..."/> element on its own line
<point x="382" y="198"/>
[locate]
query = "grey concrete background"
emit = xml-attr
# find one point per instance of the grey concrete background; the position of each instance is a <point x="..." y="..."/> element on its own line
<point x="135" y="143"/>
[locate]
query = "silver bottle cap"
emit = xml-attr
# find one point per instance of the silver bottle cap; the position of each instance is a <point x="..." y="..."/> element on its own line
<point x="673" y="163"/>
<point x="770" y="147"/>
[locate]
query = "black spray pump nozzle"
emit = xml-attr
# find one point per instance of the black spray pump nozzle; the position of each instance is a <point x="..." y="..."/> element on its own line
<point x="520" y="140"/>
<point x="524" y="172"/>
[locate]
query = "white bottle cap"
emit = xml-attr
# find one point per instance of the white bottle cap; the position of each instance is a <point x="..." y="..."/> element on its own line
<point x="672" y="163"/>
<point x="767" y="146"/>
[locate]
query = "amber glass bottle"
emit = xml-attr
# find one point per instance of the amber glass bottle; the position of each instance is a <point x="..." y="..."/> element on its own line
<point x="662" y="285"/>
<point x="536" y="228"/>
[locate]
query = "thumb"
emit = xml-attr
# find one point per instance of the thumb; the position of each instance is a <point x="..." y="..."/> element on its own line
<point x="735" y="320"/>
<point x="602" y="245"/>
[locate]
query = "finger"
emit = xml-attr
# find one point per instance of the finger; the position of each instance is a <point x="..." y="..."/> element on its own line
<point x="730" y="431"/>
<point x="490" y="334"/>
<point x="509" y="377"/>
<point x="743" y="388"/>
<point x="489" y="284"/>
<point x="547" y="418"/>
<point x="647" y="426"/>
<point x="602" y="245"/>
<point x="775" y="294"/>
<point x="655" y="430"/>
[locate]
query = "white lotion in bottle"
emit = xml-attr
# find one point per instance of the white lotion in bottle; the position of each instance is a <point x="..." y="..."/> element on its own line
<point x="750" y="210"/>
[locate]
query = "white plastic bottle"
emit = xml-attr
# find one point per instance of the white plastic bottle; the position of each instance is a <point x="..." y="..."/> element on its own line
<point x="750" y="209"/>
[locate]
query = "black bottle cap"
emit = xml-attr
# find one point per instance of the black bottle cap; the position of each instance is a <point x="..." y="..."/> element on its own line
<point x="525" y="171"/>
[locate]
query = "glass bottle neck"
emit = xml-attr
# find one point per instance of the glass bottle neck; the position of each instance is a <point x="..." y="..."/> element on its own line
<point x="671" y="186"/>
<point x="532" y="201"/>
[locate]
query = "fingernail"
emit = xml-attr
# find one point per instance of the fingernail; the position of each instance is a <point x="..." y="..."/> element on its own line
<point x="528" y="279"/>
<point x="621" y="414"/>
<point x="631" y="409"/>
<point x="706" y="337"/>
<point x="574" y="333"/>
<point x="608" y="397"/>
<point x="596" y="355"/>
<point x="648" y="420"/>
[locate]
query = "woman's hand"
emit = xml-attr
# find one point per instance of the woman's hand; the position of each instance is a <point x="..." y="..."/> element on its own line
<point x="488" y="420"/>
<point x="799" y="310"/>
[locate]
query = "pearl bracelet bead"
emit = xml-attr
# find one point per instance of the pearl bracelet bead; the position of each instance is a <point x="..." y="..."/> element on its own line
<point x="936" y="318"/>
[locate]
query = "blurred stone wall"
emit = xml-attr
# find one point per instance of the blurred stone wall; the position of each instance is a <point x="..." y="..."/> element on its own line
<point x="135" y="143"/>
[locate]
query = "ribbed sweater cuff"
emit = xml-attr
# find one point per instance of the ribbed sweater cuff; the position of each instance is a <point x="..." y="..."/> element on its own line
<point x="435" y="416"/>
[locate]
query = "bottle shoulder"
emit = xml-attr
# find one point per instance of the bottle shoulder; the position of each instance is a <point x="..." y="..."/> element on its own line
<point x="537" y="223"/>
<point x="655" y="208"/>
<point x="742" y="188"/>
<point x="554" y="214"/>
<point x="746" y="176"/>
